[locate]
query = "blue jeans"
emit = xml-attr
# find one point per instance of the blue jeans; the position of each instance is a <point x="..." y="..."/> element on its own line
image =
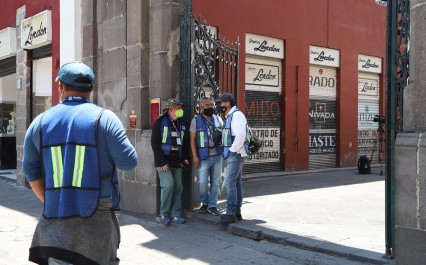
<point x="233" y="183"/>
<point x="210" y="167"/>
<point x="171" y="191"/>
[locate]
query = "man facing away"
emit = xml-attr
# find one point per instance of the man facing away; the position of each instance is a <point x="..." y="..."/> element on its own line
<point x="71" y="153"/>
<point x="235" y="149"/>
<point x="206" y="154"/>
<point x="170" y="144"/>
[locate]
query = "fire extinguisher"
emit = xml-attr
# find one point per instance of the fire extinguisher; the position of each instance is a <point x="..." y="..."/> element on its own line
<point x="133" y="118"/>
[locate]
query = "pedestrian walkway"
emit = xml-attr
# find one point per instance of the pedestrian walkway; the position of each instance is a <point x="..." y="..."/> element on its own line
<point x="339" y="212"/>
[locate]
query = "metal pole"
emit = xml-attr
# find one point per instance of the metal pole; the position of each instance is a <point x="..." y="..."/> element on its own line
<point x="390" y="128"/>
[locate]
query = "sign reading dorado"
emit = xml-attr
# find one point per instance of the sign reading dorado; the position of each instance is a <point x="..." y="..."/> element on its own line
<point x="36" y="31"/>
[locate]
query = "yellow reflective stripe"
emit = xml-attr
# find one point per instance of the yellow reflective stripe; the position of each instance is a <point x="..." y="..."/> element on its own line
<point x="78" y="165"/>
<point x="225" y="138"/>
<point x="182" y="134"/>
<point x="58" y="169"/>
<point x="165" y="132"/>
<point x="201" y="139"/>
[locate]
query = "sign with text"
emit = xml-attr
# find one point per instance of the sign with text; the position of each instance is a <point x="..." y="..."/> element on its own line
<point x="322" y="82"/>
<point x="322" y="143"/>
<point x="7" y="43"/>
<point x="366" y="113"/>
<point x="264" y="46"/>
<point x="322" y="114"/>
<point x="324" y="56"/>
<point x="36" y="31"/>
<point x="262" y="75"/>
<point x="368" y="87"/>
<point x="369" y="64"/>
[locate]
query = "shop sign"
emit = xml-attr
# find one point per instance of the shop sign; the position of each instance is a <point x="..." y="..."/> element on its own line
<point x="322" y="82"/>
<point x="264" y="46"/>
<point x="368" y="87"/>
<point x="270" y="151"/>
<point x="322" y="114"/>
<point x="382" y="2"/>
<point x="7" y="43"/>
<point x="320" y="143"/>
<point x="36" y="31"/>
<point x="324" y="56"/>
<point x="369" y="64"/>
<point x="262" y="75"/>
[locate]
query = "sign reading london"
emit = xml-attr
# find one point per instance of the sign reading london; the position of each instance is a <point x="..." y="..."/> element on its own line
<point x="265" y="46"/>
<point x="262" y="75"/>
<point x="324" y="56"/>
<point x="36" y="31"/>
<point x="7" y="43"/>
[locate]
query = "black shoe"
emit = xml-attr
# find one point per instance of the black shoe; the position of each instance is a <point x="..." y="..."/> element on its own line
<point x="213" y="210"/>
<point x="239" y="217"/>
<point x="203" y="209"/>
<point x="226" y="219"/>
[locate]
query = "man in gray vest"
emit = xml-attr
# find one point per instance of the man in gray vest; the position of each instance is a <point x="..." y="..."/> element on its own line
<point x="205" y="133"/>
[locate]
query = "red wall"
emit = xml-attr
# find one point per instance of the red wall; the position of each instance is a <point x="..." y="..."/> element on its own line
<point x="8" y="19"/>
<point x="351" y="26"/>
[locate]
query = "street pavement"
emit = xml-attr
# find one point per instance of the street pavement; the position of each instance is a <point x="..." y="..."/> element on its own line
<point x="322" y="217"/>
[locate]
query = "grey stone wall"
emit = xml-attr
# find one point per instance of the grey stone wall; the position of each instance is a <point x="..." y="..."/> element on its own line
<point x="410" y="152"/>
<point x="133" y="47"/>
<point x="23" y="72"/>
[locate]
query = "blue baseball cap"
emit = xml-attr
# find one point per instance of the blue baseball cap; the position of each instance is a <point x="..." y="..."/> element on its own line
<point x="76" y="74"/>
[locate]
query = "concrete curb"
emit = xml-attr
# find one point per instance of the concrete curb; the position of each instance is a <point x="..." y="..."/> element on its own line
<point x="252" y="231"/>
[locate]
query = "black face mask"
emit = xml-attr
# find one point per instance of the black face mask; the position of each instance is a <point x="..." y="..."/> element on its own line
<point x="220" y="109"/>
<point x="208" y="112"/>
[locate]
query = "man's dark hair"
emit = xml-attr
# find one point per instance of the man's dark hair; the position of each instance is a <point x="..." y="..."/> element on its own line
<point x="232" y="102"/>
<point x="77" y="88"/>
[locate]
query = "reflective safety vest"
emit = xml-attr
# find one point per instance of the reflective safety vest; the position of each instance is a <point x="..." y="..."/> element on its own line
<point x="203" y="137"/>
<point x="228" y="139"/>
<point x="69" y="152"/>
<point x="166" y="135"/>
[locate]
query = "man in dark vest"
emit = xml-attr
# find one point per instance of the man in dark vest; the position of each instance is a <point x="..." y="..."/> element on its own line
<point x="235" y="150"/>
<point x="170" y="144"/>
<point x="71" y="155"/>
<point x="206" y="154"/>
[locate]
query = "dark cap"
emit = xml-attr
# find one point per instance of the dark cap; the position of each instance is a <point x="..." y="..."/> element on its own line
<point x="173" y="102"/>
<point x="76" y="74"/>
<point x="225" y="97"/>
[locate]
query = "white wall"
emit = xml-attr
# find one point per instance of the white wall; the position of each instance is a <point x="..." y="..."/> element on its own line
<point x="70" y="28"/>
<point x="42" y="77"/>
<point x="8" y="88"/>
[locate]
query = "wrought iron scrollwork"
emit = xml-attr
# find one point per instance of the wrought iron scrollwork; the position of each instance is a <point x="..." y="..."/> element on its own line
<point x="209" y="65"/>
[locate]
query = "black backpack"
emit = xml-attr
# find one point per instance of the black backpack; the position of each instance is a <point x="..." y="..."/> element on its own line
<point x="254" y="144"/>
<point x="364" y="165"/>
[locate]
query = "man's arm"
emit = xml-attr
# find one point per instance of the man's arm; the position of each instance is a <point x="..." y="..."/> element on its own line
<point x="156" y="143"/>
<point x="238" y="127"/>
<point x="193" y="140"/>
<point x="38" y="188"/>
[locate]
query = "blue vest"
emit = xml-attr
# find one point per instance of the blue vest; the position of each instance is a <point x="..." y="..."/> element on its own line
<point x="203" y="137"/>
<point x="166" y="135"/>
<point x="68" y="140"/>
<point x="227" y="138"/>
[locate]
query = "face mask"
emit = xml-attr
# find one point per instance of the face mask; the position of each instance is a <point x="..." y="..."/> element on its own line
<point x="220" y="109"/>
<point x="179" y="113"/>
<point x="208" y="112"/>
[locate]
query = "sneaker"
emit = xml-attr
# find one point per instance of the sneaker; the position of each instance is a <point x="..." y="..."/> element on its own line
<point x="238" y="216"/>
<point x="179" y="220"/>
<point x="165" y="220"/>
<point x="213" y="210"/>
<point x="203" y="208"/>
<point x="226" y="219"/>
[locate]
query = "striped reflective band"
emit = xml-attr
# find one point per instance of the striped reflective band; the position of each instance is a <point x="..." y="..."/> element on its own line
<point x="225" y="138"/>
<point x="58" y="169"/>
<point x="165" y="132"/>
<point x="78" y="165"/>
<point x="201" y="139"/>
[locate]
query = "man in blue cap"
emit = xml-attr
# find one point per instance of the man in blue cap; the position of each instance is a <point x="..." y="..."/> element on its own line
<point x="71" y="155"/>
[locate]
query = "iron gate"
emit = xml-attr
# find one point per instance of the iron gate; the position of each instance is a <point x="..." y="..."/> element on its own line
<point x="209" y="65"/>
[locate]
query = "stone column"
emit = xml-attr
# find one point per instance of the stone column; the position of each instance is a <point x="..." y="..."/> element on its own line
<point x="410" y="152"/>
<point x="23" y="119"/>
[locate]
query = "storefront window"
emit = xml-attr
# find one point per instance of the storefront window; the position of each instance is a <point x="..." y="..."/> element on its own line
<point x="7" y="118"/>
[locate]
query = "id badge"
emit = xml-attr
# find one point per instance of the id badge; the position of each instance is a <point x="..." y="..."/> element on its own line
<point x="178" y="141"/>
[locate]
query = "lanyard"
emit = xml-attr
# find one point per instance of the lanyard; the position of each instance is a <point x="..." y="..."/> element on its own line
<point x="177" y="131"/>
<point x="76" y="99"/>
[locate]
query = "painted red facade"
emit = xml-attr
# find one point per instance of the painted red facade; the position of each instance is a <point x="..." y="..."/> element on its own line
<point x="351" y="26"/>
<point x="8" y="19"/>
